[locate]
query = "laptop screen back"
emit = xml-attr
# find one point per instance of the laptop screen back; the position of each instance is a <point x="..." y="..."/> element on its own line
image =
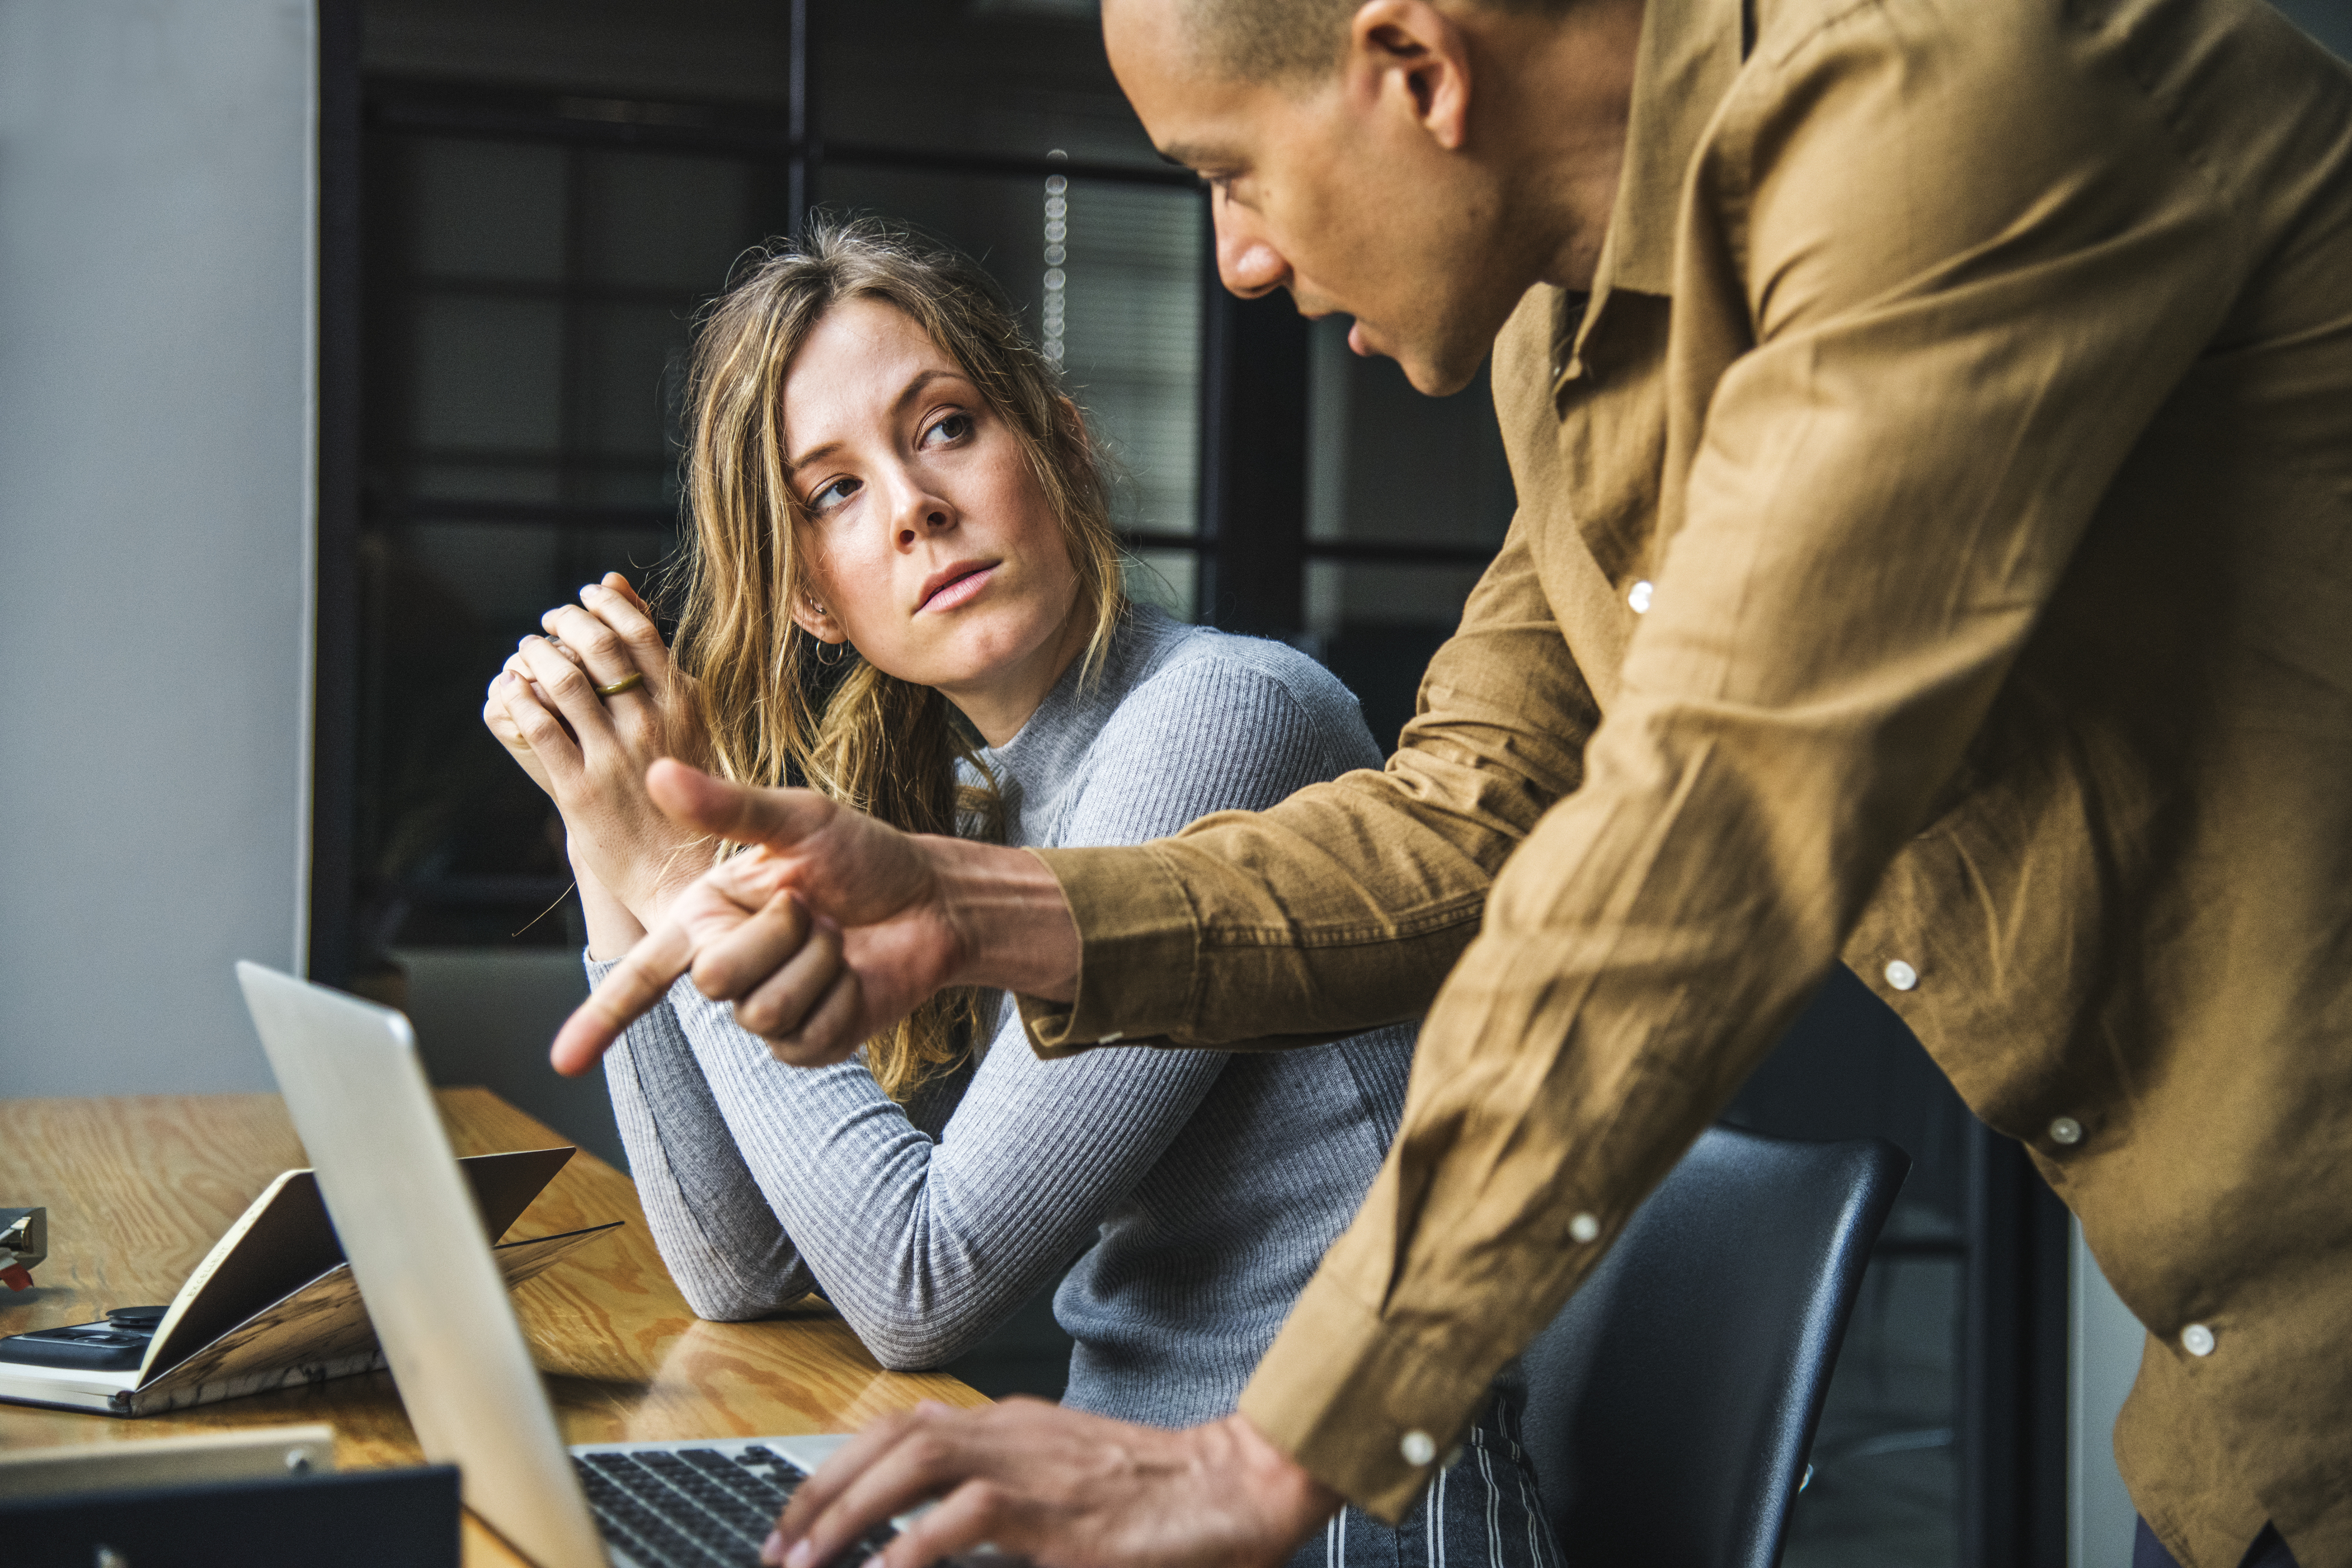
<point x="351" y="1078"/>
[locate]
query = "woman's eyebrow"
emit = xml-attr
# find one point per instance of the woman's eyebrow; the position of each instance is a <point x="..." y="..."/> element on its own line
<point x="923" y="379"/>
<point x="914" y="389"/>
<point x="794" y="464"/>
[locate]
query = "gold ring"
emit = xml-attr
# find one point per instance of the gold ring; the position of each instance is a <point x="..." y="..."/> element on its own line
<point x="627" y="682"/>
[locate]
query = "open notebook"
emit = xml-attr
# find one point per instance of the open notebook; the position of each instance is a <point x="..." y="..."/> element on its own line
<point x="272" y="1304"/>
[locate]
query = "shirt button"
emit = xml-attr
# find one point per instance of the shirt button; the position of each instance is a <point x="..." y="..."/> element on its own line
<point x="1902" y="976"/>
<point x="1639" y="598"/>
<point x="1584" y="1228"/>
<point x="2066" y="1130"/>
<point x="2197" y="1340"/>
<point x="1418" y="1447"/>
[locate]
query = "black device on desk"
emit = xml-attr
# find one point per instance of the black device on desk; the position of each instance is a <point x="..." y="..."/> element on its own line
<point x="359" y="1519"/>
<point x="117" y="1344"/>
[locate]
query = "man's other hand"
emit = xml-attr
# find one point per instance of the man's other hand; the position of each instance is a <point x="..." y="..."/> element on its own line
<point x="1066" y="1490"/>
<point x="832" y="927"/>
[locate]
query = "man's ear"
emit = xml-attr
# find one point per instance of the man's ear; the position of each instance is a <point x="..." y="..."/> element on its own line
<point x="817" y="620"/>
<point x="1416" y="51"/>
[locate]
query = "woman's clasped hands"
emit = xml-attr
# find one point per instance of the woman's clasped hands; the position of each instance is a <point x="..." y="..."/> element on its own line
<point x="585" y="710"/>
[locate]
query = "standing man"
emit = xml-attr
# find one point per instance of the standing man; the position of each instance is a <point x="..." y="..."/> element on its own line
<point x="1933" y="427"/>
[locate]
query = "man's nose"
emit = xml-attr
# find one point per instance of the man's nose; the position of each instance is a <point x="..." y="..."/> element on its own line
<point x="1247" y="262"/>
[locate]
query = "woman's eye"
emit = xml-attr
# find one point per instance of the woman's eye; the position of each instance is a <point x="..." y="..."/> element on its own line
<point x="831" y="495"/>
<point x="953" y="427"/>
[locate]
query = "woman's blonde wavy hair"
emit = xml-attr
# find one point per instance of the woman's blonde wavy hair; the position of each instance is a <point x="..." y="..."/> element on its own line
<point x="886" y="747"/>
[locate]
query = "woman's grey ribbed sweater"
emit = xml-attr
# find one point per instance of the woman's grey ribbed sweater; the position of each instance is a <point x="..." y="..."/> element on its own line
<point x="1210" y="1184"/>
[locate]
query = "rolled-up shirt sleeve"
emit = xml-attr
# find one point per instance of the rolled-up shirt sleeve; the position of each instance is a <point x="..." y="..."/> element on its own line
<point x="1342" y="908"/>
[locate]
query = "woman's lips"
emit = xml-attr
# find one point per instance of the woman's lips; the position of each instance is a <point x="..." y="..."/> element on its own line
<point x="953" y="593"/>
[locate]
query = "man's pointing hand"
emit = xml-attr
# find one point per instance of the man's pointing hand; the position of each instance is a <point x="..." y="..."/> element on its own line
<point x="831" y="927"/>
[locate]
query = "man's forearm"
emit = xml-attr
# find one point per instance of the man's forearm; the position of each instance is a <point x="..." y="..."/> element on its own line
<point x="1341" y="908"/>
<point x="1012" y="926"/>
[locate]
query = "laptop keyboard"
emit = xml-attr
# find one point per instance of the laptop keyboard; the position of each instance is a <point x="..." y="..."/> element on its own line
<point x="692" y="1508"/>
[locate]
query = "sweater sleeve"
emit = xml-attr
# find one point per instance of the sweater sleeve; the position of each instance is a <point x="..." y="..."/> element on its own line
<point x="762" y="1176"/>
<point x="723" y="1245"/>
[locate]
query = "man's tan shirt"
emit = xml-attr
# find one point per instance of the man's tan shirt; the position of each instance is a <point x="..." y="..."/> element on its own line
<point x="1935" y="547"/>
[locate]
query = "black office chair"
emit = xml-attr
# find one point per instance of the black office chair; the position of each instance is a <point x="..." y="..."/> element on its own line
<point x="1672" y="1403"/>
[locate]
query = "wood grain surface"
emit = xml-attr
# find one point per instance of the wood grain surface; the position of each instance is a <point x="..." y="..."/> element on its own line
<point x="138" y="1190"/>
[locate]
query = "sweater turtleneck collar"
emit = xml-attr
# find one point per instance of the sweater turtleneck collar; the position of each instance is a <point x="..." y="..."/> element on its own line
<point x="1050" y="746"/>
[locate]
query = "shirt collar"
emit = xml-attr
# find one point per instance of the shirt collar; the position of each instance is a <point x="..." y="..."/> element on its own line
<point x="1683" y="67"/>
<point x="1689" y="51"/>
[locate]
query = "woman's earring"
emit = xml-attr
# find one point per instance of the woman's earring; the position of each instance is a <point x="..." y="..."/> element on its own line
<point x="839" y="651"/>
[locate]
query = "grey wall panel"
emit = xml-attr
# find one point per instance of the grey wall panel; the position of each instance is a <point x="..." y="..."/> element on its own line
<point x="155" y="266"/>
<point x="2102" y="1363"/>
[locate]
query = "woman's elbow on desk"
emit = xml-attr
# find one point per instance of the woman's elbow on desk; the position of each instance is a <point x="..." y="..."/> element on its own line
<point x="726" y="1309"/>
<point x="916" y="1339"/>
<point x="905" y="1345"/>
<point x="734" y="1299"/>
<point x="901" y="1359"/>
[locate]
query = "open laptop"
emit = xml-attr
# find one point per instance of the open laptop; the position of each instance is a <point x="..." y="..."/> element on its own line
<point x="350" y="1074"/>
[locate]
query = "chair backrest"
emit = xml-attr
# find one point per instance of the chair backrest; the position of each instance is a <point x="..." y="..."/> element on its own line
<point x="1672" y="1403"/>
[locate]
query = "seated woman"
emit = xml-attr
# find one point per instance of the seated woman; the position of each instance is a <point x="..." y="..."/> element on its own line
<point x="887" y="485"/>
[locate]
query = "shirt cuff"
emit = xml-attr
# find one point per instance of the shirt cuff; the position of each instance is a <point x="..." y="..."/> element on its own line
<point x="1139" y="932"/>
<point x="1369" y="1410"/>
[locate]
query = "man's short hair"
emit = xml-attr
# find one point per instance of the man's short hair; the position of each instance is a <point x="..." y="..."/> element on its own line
<point x="1287" y="40"/>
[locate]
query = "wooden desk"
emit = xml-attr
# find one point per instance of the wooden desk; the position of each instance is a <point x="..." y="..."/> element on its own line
<point x="139" y="1189"/>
